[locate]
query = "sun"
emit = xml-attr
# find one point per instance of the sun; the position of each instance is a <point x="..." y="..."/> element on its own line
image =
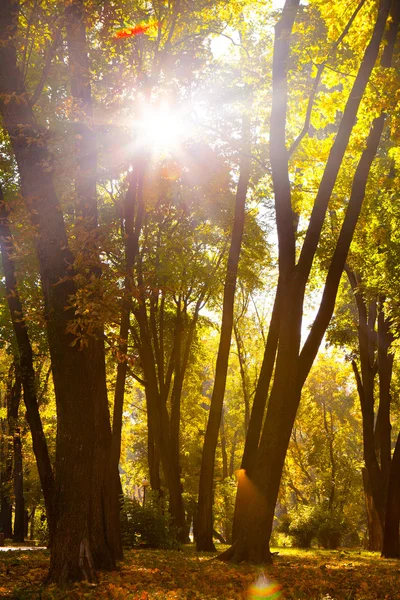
<point x="161" y="129"/>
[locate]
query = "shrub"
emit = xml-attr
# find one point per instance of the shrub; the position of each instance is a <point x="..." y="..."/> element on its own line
<point x="303" y="528"/>
<point x="331" y="526"/>
<point x="148" y="525"/>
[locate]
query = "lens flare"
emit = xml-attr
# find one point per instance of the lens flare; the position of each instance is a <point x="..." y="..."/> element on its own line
<point x="131" y="30"/>
<point x="264" y="589"/>
<point x="161" y="129"/>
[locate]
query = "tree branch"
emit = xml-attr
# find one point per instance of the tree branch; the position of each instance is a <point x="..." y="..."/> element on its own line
<point x="317" y="79"/>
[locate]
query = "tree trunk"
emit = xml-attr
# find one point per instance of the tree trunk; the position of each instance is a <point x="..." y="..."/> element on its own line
<point x="13" y="404"/>
<point x="160" y="428"/>
<point x="153" y="459"/>
<point x="292" y="368"/>
<point x="231" y="469"/>
<point x="223" y="447"/>
<point x="365" y="387"/>
<point x="105" y="476"/>
<point x="243" y="377"/>
<point x="6" y="468"/>
<point x="176" y="396"/>
<point x="132" y="229"/>
<point x="78" y="493"/>
<point x="5" y="511"/>
<point x="32" y="527"/>
<point x="375" y="533"/>
<point x="204" y="541"/>
<point x="391" y="541"/>
<point x="385" y="370"/>
<point x="19" y="513"/>
<point x="256" y="418"/>
<point x="227" y="525"/>
<point x="26" y="369"/>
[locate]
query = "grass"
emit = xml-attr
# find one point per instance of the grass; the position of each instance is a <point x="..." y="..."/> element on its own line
<point x="162" y="575"/>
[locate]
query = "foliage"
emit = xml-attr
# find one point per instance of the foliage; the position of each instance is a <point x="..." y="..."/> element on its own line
<point x="331" y="527"/>
<point x="147" y="524"/>
<point x="303" y="527"/>
<point x="313" y="523"/>
<point x="224" y="506"/>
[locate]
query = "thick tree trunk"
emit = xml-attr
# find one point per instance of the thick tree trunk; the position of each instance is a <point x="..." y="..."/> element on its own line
<point x="105" y="504"/>
<point x="256" y="418"/>
<point x="375" y="533"/>
<point x="290" y="373"/>
<point x="204" y="537"/>
<point x="153" y="459"/>
<point x="262" y="482"/>
<point x="78" y="493"/>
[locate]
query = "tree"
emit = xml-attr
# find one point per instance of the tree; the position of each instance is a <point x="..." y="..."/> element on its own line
<point x="26" y="369"/>
<point x="204" y="512"/>
<point x="264" y="463"/>
<point x="81" y="540"/>
<point x="322" y="480"/>
<point x="176" y="270"/>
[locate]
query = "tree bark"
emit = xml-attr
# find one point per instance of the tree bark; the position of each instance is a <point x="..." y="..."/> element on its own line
<point x="105" y="475"/>
<point x="391" y="541"/>
<point x="375" y="533"/>
<point x="204" y="541"/>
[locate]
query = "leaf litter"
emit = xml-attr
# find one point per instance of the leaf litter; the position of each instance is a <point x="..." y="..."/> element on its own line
<point x="180" y="575"/>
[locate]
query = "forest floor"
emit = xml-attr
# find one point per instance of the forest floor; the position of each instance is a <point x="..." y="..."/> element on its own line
<point x="178" y="575"/>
